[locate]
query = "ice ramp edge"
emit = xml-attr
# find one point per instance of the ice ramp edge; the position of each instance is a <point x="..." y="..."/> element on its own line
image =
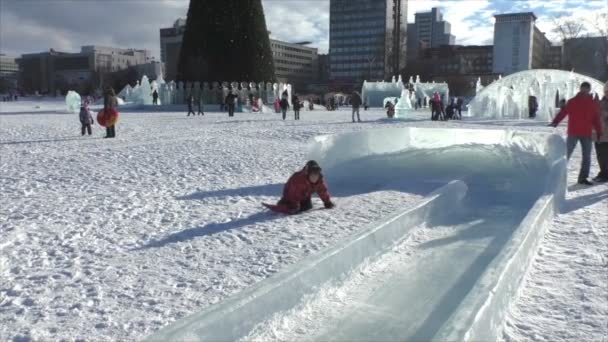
<point x="237" y="316"/>
<point x="480" y="316"/>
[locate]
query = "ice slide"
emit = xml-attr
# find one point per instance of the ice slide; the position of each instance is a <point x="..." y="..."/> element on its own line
<point x="442" y="270"/>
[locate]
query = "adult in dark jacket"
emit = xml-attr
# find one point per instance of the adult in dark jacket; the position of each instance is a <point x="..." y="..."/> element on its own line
<point x="190" y="101"/>
<point x="155" y="97"/>
<point x="295" y="101"/>
<point x="284" y="104"/>
<point x="355" y="102"/>
<point x="584" y="117"/>
<point x="201" y="105"/>
<point x="459" y="103"/>
<point x="298" y="191"/>
<point x="229" y="102"/>
<point x="110" y="102"/>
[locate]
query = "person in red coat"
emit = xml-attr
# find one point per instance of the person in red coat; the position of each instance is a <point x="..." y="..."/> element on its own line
<point x="300" y="187"/>
<point x="584" y="117"/>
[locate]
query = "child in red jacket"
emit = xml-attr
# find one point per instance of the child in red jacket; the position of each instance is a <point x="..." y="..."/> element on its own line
<point x="299" y="188"/>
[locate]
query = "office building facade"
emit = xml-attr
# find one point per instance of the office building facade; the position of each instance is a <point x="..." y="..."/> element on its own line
<point x="429" y="30"/>
<point x="170" y="47"/>
<point x="367" y="39"/>
<point x="53" y="71"/>
<point x="587" y="56"/>
<point x="295" y="63"/>
<point x="519" y="44"/>
<point x="9" y="73"/>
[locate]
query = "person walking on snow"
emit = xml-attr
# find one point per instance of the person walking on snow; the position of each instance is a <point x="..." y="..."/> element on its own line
<point x="584" y="116"/>
<point x="601" y="146"/>
<point x="86" y="118"/>
<point x="155" y="97"/>
<point x="110" y="102"/>
<point x="296" y="107"/>
<point x="356" y="101"/>
<point x="284" y="104"/>
<point x="200" y="105"/>
<point x="190" y="101"/>
<point x="298" y="191"/>
<point x="229" y="101"/>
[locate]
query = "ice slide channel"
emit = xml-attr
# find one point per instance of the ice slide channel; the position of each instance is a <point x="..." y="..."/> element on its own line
<point x="381" y="284"/>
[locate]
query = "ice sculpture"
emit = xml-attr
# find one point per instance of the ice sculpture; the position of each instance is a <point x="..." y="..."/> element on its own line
<point x="404" y="105"/>
<point x="73" y="101"/>
<point x="374" y="93"/>
<point x="172" y="93"/>
<point x="508" y="97"/>
<point x="145" y="92"/>
<point x="478" y="86"/>
<point x="426" y="90"/>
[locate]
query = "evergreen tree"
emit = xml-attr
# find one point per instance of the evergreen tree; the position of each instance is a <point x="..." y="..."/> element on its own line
<point x="226" y="40"/>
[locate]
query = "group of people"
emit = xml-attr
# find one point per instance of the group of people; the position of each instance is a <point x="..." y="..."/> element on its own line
<point x="10" y="97"/>
<point x="453" y="111"/>
<point x="587" y="123"/>
<point x="110" y="102"/>
<point x="190" y="100"/>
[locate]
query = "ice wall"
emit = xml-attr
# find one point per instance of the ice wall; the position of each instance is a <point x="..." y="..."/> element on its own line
<point x="374" y="93"/>
<point x="508" y="97"/>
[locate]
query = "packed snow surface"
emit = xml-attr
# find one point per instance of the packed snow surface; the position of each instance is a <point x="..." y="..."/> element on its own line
<point x="114" y="239"/>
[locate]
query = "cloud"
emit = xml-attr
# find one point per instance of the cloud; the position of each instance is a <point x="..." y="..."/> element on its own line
<point x="37" y="25"/>
<point x="297" y="20"/>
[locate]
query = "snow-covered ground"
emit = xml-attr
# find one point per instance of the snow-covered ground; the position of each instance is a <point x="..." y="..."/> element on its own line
<point x="113" y="239"/>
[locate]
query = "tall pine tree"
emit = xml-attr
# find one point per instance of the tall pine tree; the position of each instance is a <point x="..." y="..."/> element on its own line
<point x="226" y="40"/>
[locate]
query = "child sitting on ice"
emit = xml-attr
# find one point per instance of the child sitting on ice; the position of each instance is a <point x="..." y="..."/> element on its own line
<point x="299" y="188"/>
<point x="86" y="119"/>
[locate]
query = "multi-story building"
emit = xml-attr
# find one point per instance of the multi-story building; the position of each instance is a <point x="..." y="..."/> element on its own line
<point x="170" y="47"/>
<point x="9" y="73"/>
<point x="429" y="30"/>
<point x="459" y="66"/>
<point x="367" y="39"/>
<point x="49" y="72"/>
<point x="324" y="70"/>
<point x="460" y="60"/>
<point x="295" y="63"/>
<point x="554" y="60"/>
<point x="519" y="44"/>
<point x="587" y="56"/>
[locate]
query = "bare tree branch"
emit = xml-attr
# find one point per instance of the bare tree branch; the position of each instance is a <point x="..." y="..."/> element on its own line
<point x="599" y="22"/>
<point x="567" y="28"/>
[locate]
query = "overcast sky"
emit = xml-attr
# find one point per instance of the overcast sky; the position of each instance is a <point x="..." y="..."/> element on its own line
<point x="36" y="25"/>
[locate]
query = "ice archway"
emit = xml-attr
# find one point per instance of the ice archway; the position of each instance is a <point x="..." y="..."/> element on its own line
<point x="508" y="97"/>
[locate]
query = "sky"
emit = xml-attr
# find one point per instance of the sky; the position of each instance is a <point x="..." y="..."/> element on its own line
<point x="28" y="26"/>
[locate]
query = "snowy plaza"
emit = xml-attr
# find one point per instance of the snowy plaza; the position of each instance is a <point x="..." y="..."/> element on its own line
<point x="115" y="239"/>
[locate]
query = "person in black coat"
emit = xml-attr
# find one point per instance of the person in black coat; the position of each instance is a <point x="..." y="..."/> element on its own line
<point x="296" y="107"/>
<point x="200" y="106"/>
<point x="155" y="98"/>
<point x="191" y="105"/>
<point x="284" y="104"/>
<point x="229" y="102"/>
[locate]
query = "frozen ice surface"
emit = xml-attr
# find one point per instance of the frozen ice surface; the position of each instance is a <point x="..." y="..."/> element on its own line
<point x="507" y="98"/>
<point x="72" y="102"/>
